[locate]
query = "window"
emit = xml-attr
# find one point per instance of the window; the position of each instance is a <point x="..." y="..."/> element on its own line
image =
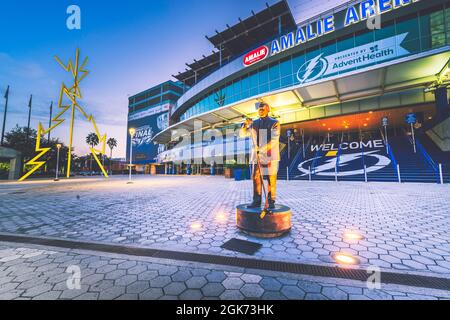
<point x="274" y="72"/>
<point x="437" y="28"/>
<point x="263" y="76"/>
<point x="286" y="67"/>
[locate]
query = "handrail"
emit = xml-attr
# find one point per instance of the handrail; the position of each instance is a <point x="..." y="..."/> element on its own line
<point x="362" y="155"/>
<point x="299" y="154"/>
<point x="313" y="165"/>
<point x="393" y="160"/>
<point x="294" y="160"/>
<point x="338" y="157"/>
<point x="392" y="156"/>
<point x="426" y="156"/>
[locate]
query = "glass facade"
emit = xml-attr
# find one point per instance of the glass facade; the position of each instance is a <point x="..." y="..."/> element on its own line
<point x="168" y="92"/>
<point x="425" y="31"/>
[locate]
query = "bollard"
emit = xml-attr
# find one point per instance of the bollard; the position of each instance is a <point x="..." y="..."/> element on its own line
<point x="310" y="173"/>
<point x="335" y="174"/>
<point x="398" y="173"/>
<point x="287" y="173"/>
<point x="365" y="173"/>
<point x="440" y="173"/>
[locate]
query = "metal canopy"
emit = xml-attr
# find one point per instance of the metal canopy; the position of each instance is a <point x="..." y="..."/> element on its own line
<point x="390" y="78"/>
<point x="412" y="72"/>
<point x="254" y="30"/>
<point x="201" y="68"/>
<point x="240" y="38"/>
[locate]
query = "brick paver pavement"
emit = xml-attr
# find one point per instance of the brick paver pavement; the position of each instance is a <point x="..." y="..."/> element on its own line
<point x="405" y="226"/>
<point x="38" y="272"/>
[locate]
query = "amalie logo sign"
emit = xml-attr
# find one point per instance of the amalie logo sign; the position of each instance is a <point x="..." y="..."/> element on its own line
<point x="256" y="55"/>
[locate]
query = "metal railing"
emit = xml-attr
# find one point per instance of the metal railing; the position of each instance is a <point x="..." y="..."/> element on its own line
<point x="392" y="156"/>
<point x="338" y="157"/>
<point x="316" y="157"/>
<point x="426" y="156"/>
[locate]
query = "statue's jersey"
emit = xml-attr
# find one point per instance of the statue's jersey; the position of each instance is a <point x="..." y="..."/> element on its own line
<point x="267" y="134"/>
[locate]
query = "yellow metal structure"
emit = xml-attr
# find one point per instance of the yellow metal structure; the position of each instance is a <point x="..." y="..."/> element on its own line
<point x="73" y="93"/>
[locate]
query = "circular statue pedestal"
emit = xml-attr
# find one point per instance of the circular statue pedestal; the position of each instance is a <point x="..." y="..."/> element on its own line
<point x="274" y="224"/>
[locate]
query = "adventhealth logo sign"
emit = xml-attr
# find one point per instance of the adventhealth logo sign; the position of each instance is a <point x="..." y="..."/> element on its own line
<point x="375" y="52"/>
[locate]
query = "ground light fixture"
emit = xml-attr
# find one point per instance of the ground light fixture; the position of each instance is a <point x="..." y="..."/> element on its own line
<point x="345" y="259"/>
<point x="221" y="217"/>
<point x="352" y="236"/>
<point x="132" y="132"/>
<point x="58" y="146"/>
<point x="196" y="226"/>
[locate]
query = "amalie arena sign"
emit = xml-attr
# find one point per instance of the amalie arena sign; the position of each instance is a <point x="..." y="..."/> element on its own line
<point x="354" y="14"/>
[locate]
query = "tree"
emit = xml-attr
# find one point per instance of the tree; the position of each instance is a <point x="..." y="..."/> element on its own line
<point x="17" y="139"/>
<point x="23" y="140"/>
<point x="51" y="156"/>
<point x="93" y="141"/>
<point x="112" y="143"/>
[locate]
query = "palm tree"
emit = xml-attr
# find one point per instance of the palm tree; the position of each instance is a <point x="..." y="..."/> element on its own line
<point x="112" y="143"/>
<point x="92" y="140"/>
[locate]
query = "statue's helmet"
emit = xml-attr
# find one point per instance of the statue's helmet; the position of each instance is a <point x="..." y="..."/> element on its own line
<point x="260" y="105"/>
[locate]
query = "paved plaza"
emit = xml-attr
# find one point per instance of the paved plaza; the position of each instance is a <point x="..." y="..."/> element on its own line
<point x="404" y="229"/>
<point x="35" y="272"/>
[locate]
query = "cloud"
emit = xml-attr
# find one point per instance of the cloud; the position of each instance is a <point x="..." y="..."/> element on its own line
<point x="20" y="69"/>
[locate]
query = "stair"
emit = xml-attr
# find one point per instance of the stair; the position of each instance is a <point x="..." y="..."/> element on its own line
<point x="438" y="155"/>
<point x="413" y="167"/>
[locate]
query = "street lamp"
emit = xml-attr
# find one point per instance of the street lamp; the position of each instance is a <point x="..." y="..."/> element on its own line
<point x="132" y="132"/>
<point x="58" y="146"/>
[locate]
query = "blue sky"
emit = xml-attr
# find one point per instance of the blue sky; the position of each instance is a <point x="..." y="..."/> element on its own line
<point x="132" y="45"/>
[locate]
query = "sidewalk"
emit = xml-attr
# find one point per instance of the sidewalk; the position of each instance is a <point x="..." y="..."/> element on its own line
<point x="41" y="272"/>
<point x="405" y="227"/>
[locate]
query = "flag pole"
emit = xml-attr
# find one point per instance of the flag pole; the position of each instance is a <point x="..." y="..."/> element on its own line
<point x="29" y="115"/>
<point x="4" y="115"/>
<point x="50" y="121"/>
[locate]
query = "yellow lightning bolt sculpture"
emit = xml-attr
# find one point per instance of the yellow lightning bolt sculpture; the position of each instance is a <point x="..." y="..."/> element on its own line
<point x="73" y="93"/>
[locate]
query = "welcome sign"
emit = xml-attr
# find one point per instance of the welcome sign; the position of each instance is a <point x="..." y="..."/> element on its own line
<point x="372" y="53"/>
<point x="353" y="157"/>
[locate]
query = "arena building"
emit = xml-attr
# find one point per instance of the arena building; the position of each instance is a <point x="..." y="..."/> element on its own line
<point x="360" y="89"/>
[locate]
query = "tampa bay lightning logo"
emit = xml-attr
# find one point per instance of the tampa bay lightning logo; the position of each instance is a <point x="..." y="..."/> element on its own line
<point x="312" y="69"/>
<point x="163" y="121"/>
<point x="349" y="164"/>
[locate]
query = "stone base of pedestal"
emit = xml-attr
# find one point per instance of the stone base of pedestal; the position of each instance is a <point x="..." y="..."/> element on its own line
<point x="275" y="224"/>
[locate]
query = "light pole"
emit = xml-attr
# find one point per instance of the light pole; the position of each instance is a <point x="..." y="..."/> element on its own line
<point x="385" y="123"/>
<point x="132" y="132"/>
<point x="289" y="134"/>
<point x="58" y="146"/>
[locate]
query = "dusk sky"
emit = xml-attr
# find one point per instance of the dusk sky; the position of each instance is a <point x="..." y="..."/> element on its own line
<point x="131" y="46"/>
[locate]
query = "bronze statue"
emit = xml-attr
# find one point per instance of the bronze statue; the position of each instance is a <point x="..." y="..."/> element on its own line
<point x="265" y="156"/>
